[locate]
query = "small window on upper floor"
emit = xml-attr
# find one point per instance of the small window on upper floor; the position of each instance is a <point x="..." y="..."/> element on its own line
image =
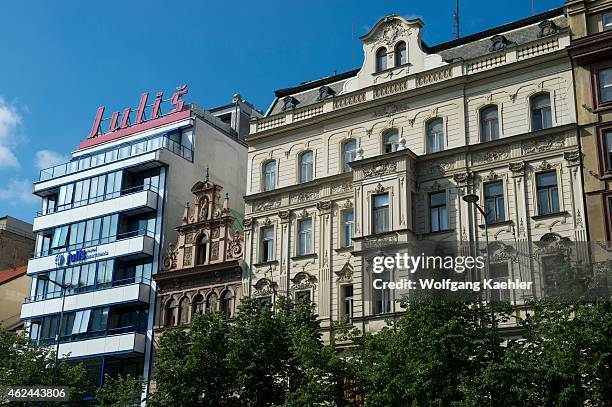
<point x="435" y="135"/>
<point x="349" y="152"/>
<point x="269" y="175"/>
<point x="607" y="21"/>
<point x="306" y="166"/>
<point x="604" y="79"/>
<point x="401" y="54"/>
<point x="381" y="59"/>
<point x="489" y="124"/>
<point x="541" y="117"/>
<point x="391" y="141"/>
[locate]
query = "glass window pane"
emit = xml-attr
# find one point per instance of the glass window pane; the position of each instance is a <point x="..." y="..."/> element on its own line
<point x="547" y="179"/>
<point x="381" y="200"/>
<point x="381" y="59"/>
<point x="439" y="198"/>
<point x="605" y="85"/>
<point x="543" y="204"/>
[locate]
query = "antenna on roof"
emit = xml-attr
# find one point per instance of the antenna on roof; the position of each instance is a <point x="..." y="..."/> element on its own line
<point x="456" y="27"/>
<point x="533" y="7"/>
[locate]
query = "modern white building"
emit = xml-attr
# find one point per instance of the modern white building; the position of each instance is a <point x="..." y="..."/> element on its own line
<point x="108" y="216"/>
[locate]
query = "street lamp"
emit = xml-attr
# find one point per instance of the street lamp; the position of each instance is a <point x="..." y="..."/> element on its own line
<point x="45" y="277"/>
<point x="473" y="199"/>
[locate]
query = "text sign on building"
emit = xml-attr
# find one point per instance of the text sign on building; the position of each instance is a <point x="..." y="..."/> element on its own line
<point x="147" y="116"/>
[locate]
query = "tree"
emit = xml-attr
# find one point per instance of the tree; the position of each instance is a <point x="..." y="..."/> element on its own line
<point x="120" y="391"/>
<point x="22" y="363"/>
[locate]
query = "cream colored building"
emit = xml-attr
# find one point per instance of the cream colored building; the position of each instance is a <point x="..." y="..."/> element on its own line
<point x="491" y="114"/>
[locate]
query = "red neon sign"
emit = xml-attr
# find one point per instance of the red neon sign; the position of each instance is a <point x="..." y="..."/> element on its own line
<point x="155" y="113"/>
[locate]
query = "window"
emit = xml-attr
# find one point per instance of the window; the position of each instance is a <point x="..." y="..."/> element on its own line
<point x="227" y="304"/>
<point x="607" y="146"/>
<point x="346" y="307"/>
<point x="380" y="213"/>
<point x="198" y="304"/>
<point x="391" y="141"/>
<point x="401" y="54"/>
<point x="211" y="302"/>
<point x="547" y="192"/>
<point x="437" y="211"/>
<point x="269" y="175"/>
<point x="60" y="237"/>
<point x="435" y="136"/>
<point x="184" y="311"/>
<point x="302" y="296"/>
<point x="201" y="250"/>
<point x="349" y="152"/>
<point x="381" y="296"/>
<point x="170" y="313"/>
<point x="348" y="227"/>
<point x="306" y="167"/>
<point x="541" y="117"/>
<point x="499" y="272"/>
<point x="607" y="21"/>
<point x="494" y="202"/>
<point x="489" y="124"/>
<point x="381" y="59"/>
<point x="267" y="244"/>
<point x="304" y="236"/>
<point x="604" y="78"/>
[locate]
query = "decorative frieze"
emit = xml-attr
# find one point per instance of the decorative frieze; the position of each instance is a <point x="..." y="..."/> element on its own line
<point x="303" y="196"/>
<point x="542" y="145"/>
<point x="266" y="204"/>
<point x="380" y="169"/>
<point x="490" y="156"/>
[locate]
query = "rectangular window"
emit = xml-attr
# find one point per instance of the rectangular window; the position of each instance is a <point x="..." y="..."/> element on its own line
<point x="65" y="196"/>
<point x="60" y="237"/>
<point x="104" y="274"/>
<point x="437" y="211"/>
<point x="267" y="244"/>
<point x="348" y="227"/>
<point x="304" y="237"/>
<point x="382" y="296"/>
<point x="380" y="213"/>
<point x="494" y="202"/>
<point x="605" y="85"/>
<point x="547" y="193"/>
<point x="99" y="319"/>
<point x="302" y="296"/>
<point x="607" y="21"/>
<point x="346" y="302"/>
<point x="607" y="137"/>
<point x="499" y="273"/>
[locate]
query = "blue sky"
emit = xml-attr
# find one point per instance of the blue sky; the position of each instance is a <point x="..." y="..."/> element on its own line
<point x="63" y="59"/>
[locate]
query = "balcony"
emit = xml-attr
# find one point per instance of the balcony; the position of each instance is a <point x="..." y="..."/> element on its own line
<point x="115" y="341"/>
<point x="132" y="245"/>
<point x="129" y="201"/>
<point x="118" y="292"/>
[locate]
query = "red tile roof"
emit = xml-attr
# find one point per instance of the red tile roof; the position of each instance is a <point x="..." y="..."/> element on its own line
<point x="10" y="274"/>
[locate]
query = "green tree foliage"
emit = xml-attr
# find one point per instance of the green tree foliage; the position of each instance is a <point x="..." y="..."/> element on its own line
<point x="120" y="391"/>
<point x="24" y="364"/>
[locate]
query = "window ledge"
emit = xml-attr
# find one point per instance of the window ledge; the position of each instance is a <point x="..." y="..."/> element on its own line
<point x="439" y="232"/>
<point x="344" y="249"/>
<point x="304" y="256"/>
<point x="266" y="263"/>
<point x="497" y="224"/>
<point x="407" y="64"/>
<point x="550" y="215"/>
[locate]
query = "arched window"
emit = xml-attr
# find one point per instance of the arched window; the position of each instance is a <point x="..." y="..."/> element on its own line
<point x="201" y="250"/>
<point x="269" y="175"/>
<point x="489" y="124"/>
<point x="306" y="166"/>
<point x="170" y="317"/>
<point x="435" y="136"/>
<point x="211" y="302"/>
<point x="198" y="304"/>
<point x="381" y="59"/>
<point x="541" y="117"/>
<point x="227" y="304"/>
<point x="391" y="141"/>
<point x="184" y="311"/>
<point x="401" y="53"/>
<point x="349" y="152"/>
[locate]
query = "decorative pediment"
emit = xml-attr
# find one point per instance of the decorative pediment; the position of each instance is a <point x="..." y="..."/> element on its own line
<point x="345" y="275"/>
<point x="264" y="287"/>
<point x="303" y="281"/>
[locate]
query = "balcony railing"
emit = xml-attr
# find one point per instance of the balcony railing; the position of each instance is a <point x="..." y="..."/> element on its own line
<point x="93" y="334"/>
<point x="96" y="242"/>
<point x="88" y="288"/>
<point x="99" y="198"/>
<point x="118" y="153"/>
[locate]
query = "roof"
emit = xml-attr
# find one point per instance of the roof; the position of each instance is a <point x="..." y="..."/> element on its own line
<point x="11" y="274"/>
<point x="468" y="47"/>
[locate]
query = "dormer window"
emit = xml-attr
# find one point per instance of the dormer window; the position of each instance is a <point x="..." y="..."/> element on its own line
<point x="499" y="42"/>
<point x="401" y="54"/>
<point x="325" y="92"/>
<point x="547" y="28"/>
<point x="289" y="102"/>
<point x="381" y="59"/>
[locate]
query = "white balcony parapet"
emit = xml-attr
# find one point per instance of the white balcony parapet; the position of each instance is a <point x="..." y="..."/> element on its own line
<point x="113" y="344"/>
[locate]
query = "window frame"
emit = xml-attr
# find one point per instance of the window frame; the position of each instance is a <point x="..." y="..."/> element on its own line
<point x="397" y="56"/>
<point x="264" y="173"/>
<point x="596" y="68"/>
<point x="532" y="111"/>
<point x="481" y="123"/>
<point x="548" y="188"/>
<point x="380" y="60"/>
<point x="262" y="239"/>
<point x="437" y="207"/>
<point x="301" y="163"/>
<point x="343" y="223"/>
<point x="604" y="157"/>
<point x="385" y="143"/>
<point x="344" y="299"/>
<point x="344" y="164"/>
<point x="495" y="198"/>
<point x="603" y="21"/>
<point x="374" y="208"/>
<point x="307" y="234"/>
<point x="428" y="123"/>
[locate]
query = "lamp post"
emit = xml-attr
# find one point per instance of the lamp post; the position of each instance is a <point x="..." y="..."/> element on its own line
<point x="473" y="199"/>
<point x="45" y="277"/>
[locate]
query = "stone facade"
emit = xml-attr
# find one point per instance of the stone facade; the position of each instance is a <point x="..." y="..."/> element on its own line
<point x="413" y="124"/>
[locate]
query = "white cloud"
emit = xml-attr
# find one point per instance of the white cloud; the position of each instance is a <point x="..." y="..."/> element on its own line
<point x="18" y="192"/>
<point x="48" y="158"/>
<point x="10" y="120"/>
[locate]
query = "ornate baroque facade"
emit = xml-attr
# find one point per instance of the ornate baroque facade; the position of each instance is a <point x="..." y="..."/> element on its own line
<point x="384" y="154"/>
